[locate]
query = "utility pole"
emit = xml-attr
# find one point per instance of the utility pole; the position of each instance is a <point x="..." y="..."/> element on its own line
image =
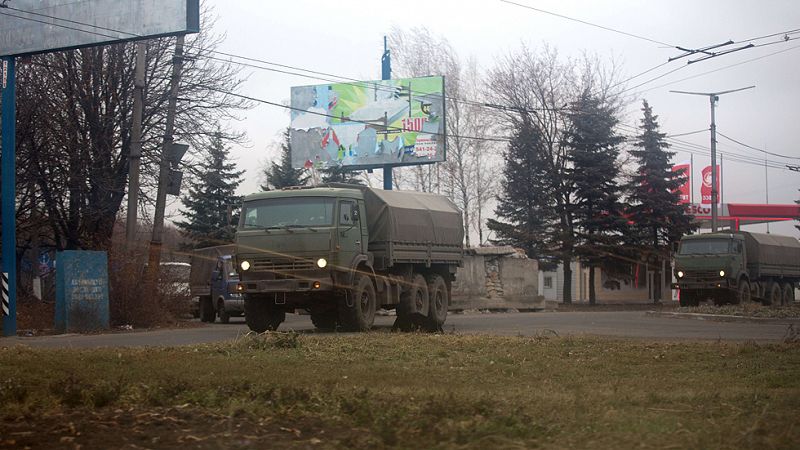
<point x="154" y="258"/>
<point x="713" y="98"/>
<point x="134" y="159"/>
<point x="386" y="74"/>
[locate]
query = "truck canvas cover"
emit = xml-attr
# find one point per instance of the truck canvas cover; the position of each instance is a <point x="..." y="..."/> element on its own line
<point x="413" y="217"/>
<point x="772" y="254"/>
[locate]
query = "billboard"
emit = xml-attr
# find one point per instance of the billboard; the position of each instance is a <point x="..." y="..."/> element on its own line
<point x="684" y="190"/>
<point x="38" y="26"/>
<point x="705" y="187"/>
<point x="368" y="124"/>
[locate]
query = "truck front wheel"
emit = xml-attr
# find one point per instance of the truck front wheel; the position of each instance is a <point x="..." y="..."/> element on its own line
<point x="744" y="292"/>
<point x="207" y="313"/>
<point x="689" y="298"/>
<point x="357" y="307"/>
<point x="262" y="316"/>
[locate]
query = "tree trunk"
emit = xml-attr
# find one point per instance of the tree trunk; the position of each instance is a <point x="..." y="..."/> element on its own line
<point x="592" y="293"/>
<point x="567" y="287"/>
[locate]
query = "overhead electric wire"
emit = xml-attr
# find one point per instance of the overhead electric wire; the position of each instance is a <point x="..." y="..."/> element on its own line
<point x="755" y="148"/>
<point x="687" y="134"/>
<point x="588" y="23"/>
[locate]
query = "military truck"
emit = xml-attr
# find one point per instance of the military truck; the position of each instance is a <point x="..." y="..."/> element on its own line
<point x="340" y="252"/>
<point x="213" y="282"/>
<point x="735" y="267"/>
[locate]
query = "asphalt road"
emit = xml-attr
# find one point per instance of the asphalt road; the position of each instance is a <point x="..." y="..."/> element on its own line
<point x="625" y="324"/>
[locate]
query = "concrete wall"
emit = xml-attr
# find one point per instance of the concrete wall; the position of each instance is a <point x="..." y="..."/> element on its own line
<point x="495" y="278"/>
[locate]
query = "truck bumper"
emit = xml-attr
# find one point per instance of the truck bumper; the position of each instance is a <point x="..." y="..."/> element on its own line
<point x="704" y="285"/>
<point x="287" y="285"/>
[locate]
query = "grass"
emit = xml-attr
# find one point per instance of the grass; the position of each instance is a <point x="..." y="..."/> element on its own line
<point x="750" y="309"/>
<point x="379" y="390"/>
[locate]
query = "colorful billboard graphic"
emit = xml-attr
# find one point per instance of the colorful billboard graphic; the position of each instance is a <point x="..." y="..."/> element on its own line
<point x="685" y="189"/>
<point x="705" y="187"/>
<point x="368" y="124"/>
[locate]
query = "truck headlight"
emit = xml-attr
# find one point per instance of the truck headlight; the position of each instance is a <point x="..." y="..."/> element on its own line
<point x="680" y="274"/>
<point x="322" y="263"/>
<point x="722" y="273"/>
<point x="245" y="265"/>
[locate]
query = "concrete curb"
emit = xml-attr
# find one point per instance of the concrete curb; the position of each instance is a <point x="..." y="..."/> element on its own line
<point x="724" y="318"/>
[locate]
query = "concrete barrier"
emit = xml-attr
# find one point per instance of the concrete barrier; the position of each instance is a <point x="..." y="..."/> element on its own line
<point x="496" y="278"/>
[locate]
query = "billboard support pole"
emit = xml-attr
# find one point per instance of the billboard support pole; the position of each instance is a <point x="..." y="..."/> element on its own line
<point x="8" y="209"/>
<point x="386" y="74"/>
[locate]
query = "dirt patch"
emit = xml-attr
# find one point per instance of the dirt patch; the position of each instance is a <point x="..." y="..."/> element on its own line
<point x="163" y="428"/>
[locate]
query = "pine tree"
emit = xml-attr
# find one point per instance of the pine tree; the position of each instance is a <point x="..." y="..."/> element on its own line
<point x="597" y="211"/>
<point x="526" y="200"/>
<point x="339" y="174"/>
<point x="211" y="198"/>
<point x="659" y="219"/>
<point x="281" y="174"/>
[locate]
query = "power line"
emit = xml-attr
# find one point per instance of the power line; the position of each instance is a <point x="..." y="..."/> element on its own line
<point x="588" y="23"/>
<point x="687" y="134"/>
<point x="758" y="149"/>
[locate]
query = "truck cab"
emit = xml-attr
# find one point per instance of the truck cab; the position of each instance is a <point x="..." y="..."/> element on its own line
<point x="712" y="265"/>
<point x="227" y="300"/>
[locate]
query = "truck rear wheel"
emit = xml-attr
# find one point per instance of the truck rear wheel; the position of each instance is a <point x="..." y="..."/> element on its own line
<point x="774" y="294"/>
<point x="207" y="313"/>
<point x="413" y="301"/>
<point x="788" y="294"/>
<point x="262" y="316"/>
<point x="438" y="301"/>
<point x="360" y="314"/>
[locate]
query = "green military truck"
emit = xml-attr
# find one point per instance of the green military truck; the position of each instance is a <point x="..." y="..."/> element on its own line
<point x="340" y="252"/>
<point x="735" y="267"/>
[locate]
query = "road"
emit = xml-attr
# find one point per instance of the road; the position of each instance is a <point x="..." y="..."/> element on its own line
<point x="625" y="324"/>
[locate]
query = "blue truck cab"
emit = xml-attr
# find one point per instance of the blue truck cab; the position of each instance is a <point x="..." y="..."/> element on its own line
<point x="213" y="284"/>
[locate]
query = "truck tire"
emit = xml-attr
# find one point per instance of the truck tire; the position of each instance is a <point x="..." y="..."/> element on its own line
<point x="262" y="316"/>
<point x="744" y="293"/>
<point x="207" y="313"/>
<point x="788" y="294"/>
<point x="408" y="319"/>
<point x="438" y="301"/>
<point x="324" y="321"/>
<point x="360" y="315"/>
<point x="224" y="317"/>
<point x="688" y="298"/>
<point x="773" y="294"/>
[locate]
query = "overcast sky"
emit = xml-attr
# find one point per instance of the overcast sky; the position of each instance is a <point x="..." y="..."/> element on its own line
<point x="345" y="38"/>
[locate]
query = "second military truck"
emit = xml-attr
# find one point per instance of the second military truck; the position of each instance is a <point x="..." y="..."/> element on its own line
<point x="341" y="252"/>
<point x="735" y="267"/>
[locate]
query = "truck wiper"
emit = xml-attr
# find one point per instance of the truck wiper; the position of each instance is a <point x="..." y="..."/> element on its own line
<point x="287" y="227"/>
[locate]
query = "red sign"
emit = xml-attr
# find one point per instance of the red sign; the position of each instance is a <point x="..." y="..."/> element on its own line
<point x="705" y="187"/>
<point x="684" y="190"/>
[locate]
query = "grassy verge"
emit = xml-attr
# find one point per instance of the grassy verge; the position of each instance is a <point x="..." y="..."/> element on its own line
<point x="751" y="309"/>
<point x="404" y="391"/>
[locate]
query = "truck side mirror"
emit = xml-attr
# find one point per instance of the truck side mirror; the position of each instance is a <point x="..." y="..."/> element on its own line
<point x="356" y="214"/>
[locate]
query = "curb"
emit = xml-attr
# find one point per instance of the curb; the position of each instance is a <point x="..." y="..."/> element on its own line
<point x="724" y="318"/>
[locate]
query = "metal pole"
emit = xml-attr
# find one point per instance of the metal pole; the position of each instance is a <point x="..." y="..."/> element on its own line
<point x="713" y="99"/>
<point x="766" y="183"/>
<point x="161" y="197"/>
<point x="691" y="178"/>
<point x="386" y="74"/>
<point x="134" y="158"/>
<point x="8" y="208"/>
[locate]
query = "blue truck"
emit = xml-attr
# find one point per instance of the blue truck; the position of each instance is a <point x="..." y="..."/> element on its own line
<point x="213" y="283"/>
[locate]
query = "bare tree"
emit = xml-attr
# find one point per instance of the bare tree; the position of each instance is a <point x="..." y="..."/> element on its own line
<point x="74" y="117"/>
<point x="466" y="175"/>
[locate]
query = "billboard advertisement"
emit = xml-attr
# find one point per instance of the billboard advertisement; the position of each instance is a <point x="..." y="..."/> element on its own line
<point x="368" y="124"/>
<point x="685" y="189"/>
<point x="705" y="187"/>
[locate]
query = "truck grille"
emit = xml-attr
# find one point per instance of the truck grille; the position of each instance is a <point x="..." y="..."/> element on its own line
<point x="703" y="275"/>
<point x="272" y="265"/>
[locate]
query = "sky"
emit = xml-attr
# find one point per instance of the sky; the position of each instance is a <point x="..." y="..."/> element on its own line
<point x="345" y="38"/>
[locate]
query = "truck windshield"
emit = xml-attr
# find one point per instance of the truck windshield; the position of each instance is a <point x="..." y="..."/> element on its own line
<point x="705" y="247"/>
<point x="288" y="212"/>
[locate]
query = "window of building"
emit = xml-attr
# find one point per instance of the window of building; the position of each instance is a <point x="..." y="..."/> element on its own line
<point x="548" y="282"/>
